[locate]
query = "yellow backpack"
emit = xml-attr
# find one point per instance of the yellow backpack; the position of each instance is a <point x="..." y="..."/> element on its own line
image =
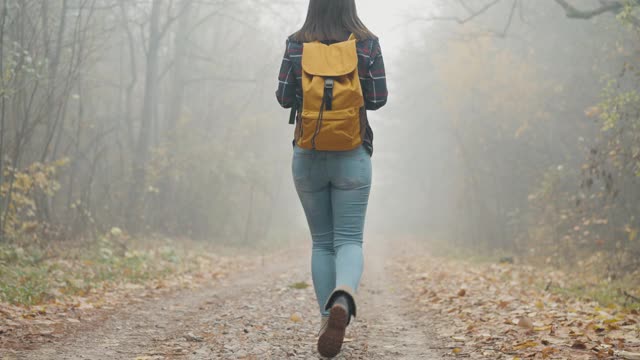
<point x="332" y="97"/>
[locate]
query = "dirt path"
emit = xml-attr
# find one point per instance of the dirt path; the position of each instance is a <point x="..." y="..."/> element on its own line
<point x="253" y="316"/>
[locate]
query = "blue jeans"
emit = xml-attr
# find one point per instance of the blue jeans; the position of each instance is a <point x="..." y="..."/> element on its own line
<point x="334" y="187"/>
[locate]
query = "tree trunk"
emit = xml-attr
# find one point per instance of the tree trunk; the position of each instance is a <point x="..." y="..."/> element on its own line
<point x="3" y="103"/>
<point x="141" y="155"/>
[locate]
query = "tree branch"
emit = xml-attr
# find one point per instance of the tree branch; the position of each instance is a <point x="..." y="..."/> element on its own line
<point x="472" y="14"/>
<point x="475" y="13"/>
<point x="514" y="6"/>
<point x="574" y="13"/>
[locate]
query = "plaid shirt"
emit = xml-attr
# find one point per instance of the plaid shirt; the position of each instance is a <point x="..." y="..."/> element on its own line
<point x="370" y="69"/>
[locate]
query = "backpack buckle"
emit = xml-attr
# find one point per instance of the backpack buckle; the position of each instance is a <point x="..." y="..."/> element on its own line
<point x="328" y="83"/>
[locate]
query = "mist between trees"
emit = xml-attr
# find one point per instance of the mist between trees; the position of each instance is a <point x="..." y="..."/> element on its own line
<point x="513" y="125"/>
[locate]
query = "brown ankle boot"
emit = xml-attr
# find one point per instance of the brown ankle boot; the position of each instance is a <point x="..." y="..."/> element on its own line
<point x="341" y="306"/>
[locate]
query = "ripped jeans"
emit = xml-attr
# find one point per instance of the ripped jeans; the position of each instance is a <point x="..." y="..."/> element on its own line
<point x="334" y="187"/>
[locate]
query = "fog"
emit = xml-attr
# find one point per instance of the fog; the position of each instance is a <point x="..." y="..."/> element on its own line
<point x="148" y="207"/>
<point x="510" y="124"/>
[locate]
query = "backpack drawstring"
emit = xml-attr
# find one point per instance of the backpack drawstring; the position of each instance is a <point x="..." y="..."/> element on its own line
<point x="327" y="101"/>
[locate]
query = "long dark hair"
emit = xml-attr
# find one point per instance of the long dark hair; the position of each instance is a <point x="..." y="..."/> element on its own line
<point x="332" y="20"/>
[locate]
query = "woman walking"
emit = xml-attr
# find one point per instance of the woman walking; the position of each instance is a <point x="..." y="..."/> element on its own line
<point x="331" y="74"/>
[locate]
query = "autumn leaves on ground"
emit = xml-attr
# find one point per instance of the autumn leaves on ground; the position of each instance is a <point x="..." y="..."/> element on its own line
<point x="504" y="310"/>
<point x="125" y="299"/>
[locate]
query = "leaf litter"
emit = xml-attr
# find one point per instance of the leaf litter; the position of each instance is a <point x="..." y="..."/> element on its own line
<point x="28" y="327"/>
<point x="499" y="311"/>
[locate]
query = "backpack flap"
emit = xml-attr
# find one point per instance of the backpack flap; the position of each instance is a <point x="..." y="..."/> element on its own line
<point x="330" y="60"/>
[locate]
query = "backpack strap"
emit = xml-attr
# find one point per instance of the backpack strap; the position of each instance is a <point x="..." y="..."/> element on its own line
<point x="294" y="112"/>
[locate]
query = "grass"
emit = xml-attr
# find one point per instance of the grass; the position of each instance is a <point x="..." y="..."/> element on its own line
<point x="23" y="285"/>
<point x="446" y="250"/>
<point x="36" y="275"/>
<point x="605" y="293"/>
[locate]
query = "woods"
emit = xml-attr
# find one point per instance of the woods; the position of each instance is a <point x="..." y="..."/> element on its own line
<point x="111" y="109"/>
<point x="154" y="118"/>
<point x="532" y="131"/>
<point x="135" y="116"/>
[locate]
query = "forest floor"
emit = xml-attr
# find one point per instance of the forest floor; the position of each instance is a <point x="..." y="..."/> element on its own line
<point x="411" y="306"/>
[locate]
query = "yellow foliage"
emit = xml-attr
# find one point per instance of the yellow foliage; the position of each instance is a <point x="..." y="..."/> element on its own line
<point x="496" y="83"/>
<point x="23" y="186"/>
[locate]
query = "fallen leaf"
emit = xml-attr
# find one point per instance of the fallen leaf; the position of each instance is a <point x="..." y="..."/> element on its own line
<point x="193" y="338"/>
<point x="542" y="328"/>
<point x="547" y="351"/>
<point x="299" y="285"/>
<point x="579" y="345"/>
<point x="296" y="318"/>
<point x="525" y="323"/>
<point x="525" y="345"/>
